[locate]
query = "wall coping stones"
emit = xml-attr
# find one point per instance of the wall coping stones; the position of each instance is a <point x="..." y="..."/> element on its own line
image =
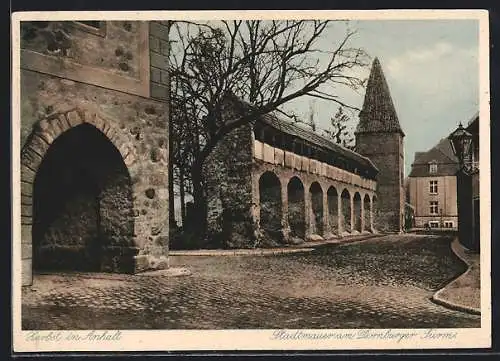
<point x="272" y="155"/>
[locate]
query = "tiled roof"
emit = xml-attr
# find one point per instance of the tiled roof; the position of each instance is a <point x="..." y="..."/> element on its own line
<point x="314" y="138"/>
<point x="473" y="124"/>
<point x="378" y="113"/>
<point x="294" y="130"/>
<point x="442" y="154"/>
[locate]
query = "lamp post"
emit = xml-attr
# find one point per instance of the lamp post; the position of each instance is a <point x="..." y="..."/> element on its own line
<point x="461" y="141"/>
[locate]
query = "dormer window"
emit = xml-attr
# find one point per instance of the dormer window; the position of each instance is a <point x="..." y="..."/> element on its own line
<point x="433" y="167"/>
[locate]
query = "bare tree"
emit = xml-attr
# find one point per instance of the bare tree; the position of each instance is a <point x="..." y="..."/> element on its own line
<point x="186" y="143"/>
<point x="263" y="63"/>
<point x="311" y="122"/>
<point x="339" y="129"/>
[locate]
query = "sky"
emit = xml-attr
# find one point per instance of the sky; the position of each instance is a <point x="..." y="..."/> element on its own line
<point x="432" y="69"/>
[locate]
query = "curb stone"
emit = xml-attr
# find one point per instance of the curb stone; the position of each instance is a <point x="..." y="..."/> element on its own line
<point x="270" y="251"/>
<point x="171" y="272"/>
<point x="438" y="299"/>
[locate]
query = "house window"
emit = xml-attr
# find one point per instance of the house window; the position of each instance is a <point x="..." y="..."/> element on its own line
<point x="433" y="207"/>
<point x="434" y="224"/>
<point x="433" y="187"/>
<point x="448" y="224"/>
<point x="433" y="167"/>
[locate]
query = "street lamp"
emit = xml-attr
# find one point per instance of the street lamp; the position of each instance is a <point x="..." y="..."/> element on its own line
<point x="460" y="141"/>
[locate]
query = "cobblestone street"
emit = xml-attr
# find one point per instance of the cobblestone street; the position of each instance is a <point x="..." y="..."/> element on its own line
<point x="382" y="282"/>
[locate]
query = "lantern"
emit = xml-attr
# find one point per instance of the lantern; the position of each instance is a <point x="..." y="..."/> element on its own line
<point x="461" y="141"/>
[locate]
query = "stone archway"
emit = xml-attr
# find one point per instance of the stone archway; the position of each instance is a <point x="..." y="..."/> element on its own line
<point x="270" y="207"/>
<point x="357" y="212"/>
<point x="346" y="210"/>
<point x="316" y="195"/>
<point x="296" y="208"/>
<point x="76" y="197"/>
<point x="366" y="213"/>
<point x="333" y="210"/>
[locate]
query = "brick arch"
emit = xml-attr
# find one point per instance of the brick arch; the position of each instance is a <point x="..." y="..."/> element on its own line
<point x="333" y="208"/>
<point x="296" y="197"/>
<point x="270" y="206"/>
<point x="294" y="178"/>
<point x="44" y="134"/>
<point x="367" y="208"/>
<point x="316" y="192"/>
<point x="358" y="205"/>
<point x="345" y="199"/>
<point x="47" y="130"/>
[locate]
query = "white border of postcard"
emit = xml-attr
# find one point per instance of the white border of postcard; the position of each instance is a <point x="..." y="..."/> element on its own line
<point x="192" y="340"/>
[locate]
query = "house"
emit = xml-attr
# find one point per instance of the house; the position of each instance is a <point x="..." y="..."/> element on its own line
<point x="432" y="187"/>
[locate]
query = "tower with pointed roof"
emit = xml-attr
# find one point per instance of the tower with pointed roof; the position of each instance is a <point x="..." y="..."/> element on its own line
<point x="379" y="137"/>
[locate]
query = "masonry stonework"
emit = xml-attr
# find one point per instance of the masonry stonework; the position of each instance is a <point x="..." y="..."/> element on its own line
<point x="385" y="152"/>
<point x="380" y="138"/>
<point x="228" y="182"/>
<point x="263" y="195"/>
<point x="92" y="83"/>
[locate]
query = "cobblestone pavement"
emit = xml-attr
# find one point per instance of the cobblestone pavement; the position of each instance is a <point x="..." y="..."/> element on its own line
<point x="383" y="282"/>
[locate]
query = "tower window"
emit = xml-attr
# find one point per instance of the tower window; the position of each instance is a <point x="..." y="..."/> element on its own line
<point x="433" y="187"/>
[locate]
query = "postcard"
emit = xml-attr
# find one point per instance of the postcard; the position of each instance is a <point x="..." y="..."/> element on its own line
<point x="248" y="181"/>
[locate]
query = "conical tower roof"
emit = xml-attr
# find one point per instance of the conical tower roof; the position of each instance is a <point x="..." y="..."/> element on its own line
<point x="378" y="113"/>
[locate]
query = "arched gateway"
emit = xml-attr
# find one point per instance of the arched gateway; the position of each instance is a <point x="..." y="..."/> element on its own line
<point x="76" y="196"/>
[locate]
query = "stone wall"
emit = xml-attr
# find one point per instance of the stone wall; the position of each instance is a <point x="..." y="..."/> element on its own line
<point x="246" y="211"/>
<point x="74" y="41"/>
<point x="304" y="208"/>
<point x="72" y="74"/>
<point x="159" y="49"/>
<point x="228" y="184"/>
<point x="385" y="150"/>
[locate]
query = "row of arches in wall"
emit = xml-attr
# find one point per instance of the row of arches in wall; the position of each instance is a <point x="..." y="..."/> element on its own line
<point x="303" y="212"/>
